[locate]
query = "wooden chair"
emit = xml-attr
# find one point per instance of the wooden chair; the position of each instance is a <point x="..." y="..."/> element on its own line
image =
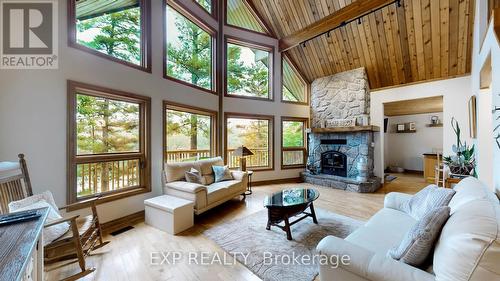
<point x="440" y="171"/>
<point x="84" y="234"/>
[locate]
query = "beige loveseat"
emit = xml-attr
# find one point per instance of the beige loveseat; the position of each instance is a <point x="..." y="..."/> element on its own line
<point x="208" y="194"/>
<point x="467" y="249"/>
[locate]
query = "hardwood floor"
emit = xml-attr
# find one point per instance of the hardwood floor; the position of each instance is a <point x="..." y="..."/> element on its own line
<point x="128" y="255"/>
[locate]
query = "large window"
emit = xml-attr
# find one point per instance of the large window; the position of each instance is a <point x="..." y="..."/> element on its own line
<point x="293" y="142"/>
<point x="206" y="4"/>
<point x="294" y="87"/>
<point x="189" y="133"/>
<point x="254" y="132"/>
<point x="248" y="70"/>
<point x="240" y="13"/>
<point x="108" y="142"/>
<point x="189" y="50"/>
<point x="117" y="30"/>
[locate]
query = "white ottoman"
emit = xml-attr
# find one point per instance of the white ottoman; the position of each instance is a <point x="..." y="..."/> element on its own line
<point x="169" y="213"/>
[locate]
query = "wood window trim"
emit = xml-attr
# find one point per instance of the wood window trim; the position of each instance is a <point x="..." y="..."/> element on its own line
<point x="144" y="151"/>
<point x="145" y="65"/>
<point x="293" y="65"/>
<point x="194" y="110"/>
<point x="305" y="121"/>
<point x="214" y="8"/>
<point x="251" y="7"/>
<point x="255" y="45"/>
<point x="182" y="10"/>
<point x="271" y="149"/>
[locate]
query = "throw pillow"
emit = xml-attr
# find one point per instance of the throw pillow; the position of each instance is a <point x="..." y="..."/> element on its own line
<point x="193" y="176"/>
<point x="427" y="199"/>
<point x="50" y="233"/>
<point x="222" y="173"/>
<point x="419" y="240"/>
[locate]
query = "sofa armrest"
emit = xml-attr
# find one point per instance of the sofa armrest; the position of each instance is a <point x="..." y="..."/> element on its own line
<point x="188" y="187"/>
<point x="396" y="200"/>
<point x="239" y="175"/>
<point x="366" y="264"/>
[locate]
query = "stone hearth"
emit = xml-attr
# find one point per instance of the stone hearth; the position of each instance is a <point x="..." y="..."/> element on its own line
<point x="341" y="96"/>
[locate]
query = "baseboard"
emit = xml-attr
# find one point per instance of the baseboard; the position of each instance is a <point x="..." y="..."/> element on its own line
<point x="277" y="181"/>
<point x="414" y="172"/>
<point x="122" y="222"/>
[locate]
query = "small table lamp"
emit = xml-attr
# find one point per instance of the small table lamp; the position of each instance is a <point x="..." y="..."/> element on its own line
<point x="243" y="152"/>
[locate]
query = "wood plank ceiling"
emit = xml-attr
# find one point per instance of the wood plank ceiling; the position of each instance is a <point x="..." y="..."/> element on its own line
<point x="422" y="40"/>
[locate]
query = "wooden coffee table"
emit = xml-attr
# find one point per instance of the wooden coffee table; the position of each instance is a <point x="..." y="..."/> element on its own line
<point x="283" y="205"/>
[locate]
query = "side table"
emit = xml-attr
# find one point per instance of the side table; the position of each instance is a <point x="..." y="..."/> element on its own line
<point x="249" y="186"/>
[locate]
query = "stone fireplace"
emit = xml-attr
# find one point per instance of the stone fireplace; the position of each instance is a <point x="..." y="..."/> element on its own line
<point x="341" y="157"/>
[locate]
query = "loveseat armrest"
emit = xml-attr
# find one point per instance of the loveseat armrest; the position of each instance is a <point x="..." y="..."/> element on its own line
<point x="184" y="186"/>
<point x="396" y="200"/>
<point x="364" y="264"/>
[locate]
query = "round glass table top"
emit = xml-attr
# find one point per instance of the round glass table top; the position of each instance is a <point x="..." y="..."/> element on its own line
<point x="291" y="197"/>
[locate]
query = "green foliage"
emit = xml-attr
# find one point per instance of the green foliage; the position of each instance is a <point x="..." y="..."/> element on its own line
<point x="293" y="134"/>
<point x="463" y="162"/>
<point x="105" y="125"/>
<point x="187" y="131"/>
<point x="117" y="34"/>
<point x="250" y="133"/>
<point x="205" y="4"/>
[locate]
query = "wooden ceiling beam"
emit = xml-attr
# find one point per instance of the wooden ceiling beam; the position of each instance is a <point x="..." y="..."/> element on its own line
<point x="346" y="14"/>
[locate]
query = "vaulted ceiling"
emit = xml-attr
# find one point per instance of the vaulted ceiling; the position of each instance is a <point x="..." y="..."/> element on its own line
<point x="421" y="40"/>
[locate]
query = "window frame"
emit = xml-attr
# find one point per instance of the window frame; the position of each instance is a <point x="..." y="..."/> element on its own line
<point x="144" y="153"/>
<point x="268" y="31"/>
<point x="182" y="10"/>
<point x="194" y="110"/>
<point x="294" y="67"/>
<point x="271" y="148"/>
<point x="145" y="65"/>
<point x="305" y="121"/>
<point x="255" y="45"/>
<point x="214" y="8"/>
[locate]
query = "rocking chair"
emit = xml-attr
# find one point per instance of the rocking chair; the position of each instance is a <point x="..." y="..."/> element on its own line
<point x="84" y="234"/>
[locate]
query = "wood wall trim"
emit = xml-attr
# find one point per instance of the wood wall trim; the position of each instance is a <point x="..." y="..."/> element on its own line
<point x="129" y="220"/>
<point x="270" y="118"/>
<point x="414" y="106"/>
<point x="418" y="82"/>
<point x="277" y="181"/>
<point x="145" y="37"/>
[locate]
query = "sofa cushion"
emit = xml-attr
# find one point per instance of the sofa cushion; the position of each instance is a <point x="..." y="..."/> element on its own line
<point x="429" y="198"/>
<point x="176" y="171"/>
<point x="419" y="240"/>
<point x="216" y="192"/>
<point x="206" y="165"/>
<point x="193" y="176"/>
<point x="222" y="173"/>
<point x="233" y="186"/>
<point x="207" y="179"/>
<point x="469" y="245"/>
<point x="383" y="231"/>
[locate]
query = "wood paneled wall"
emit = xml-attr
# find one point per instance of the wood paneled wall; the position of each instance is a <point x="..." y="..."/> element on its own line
<point x="422" y="40"/>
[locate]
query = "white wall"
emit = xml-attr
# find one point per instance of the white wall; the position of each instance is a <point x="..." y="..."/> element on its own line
<point x="407" y="149"/>
<point x="456" y="93"/>
<point x="33" y="110"/>
<point x="485" y="44"/>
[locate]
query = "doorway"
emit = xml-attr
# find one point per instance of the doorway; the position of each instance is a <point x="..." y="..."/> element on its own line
<point x="413" y="143"/>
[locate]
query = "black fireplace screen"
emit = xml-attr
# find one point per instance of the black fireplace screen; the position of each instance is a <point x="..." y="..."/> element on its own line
<point x="334" y="163"/>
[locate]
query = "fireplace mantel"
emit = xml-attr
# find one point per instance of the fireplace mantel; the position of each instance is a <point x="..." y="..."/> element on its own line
<point x="370" y="128"/>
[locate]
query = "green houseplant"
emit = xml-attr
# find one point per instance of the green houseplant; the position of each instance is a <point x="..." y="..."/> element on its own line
<point x="463" y="162"/>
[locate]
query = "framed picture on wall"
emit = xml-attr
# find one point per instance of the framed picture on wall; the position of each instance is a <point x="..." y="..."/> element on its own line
<point x="472" y="117"/>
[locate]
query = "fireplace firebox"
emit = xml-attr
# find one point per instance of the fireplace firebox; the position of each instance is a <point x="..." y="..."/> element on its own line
<point x="334" y="163"/>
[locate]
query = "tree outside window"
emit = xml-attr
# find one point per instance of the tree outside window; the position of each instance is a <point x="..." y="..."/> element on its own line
<point x="293" y="142"/>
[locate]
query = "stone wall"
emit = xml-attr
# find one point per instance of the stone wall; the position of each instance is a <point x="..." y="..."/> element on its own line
<point x="341" y="96"/>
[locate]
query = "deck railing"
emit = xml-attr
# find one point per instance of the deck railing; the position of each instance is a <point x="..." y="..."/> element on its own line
<point x="259" y="159"/>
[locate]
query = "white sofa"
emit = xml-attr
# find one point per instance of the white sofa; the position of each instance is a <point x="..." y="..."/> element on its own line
<point x="468" y="247"/>
<point x="207" y="195"/>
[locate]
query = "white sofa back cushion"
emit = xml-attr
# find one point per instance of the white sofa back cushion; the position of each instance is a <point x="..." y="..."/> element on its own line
<point x="176" y="171"/>
<point x="469" y="246"/>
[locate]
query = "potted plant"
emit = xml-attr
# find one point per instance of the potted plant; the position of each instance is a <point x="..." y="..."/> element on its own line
<point x="463" y="162"/>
